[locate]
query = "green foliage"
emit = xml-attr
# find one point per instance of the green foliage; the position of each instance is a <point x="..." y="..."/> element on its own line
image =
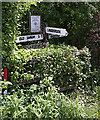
<point x="71" y="16"/>
<point x="4" y="84"/>
<point x="12" y="18"/>
<point x="78" y="19"/>
<point x="40" y="101"/>
<point x="43" y="101"/>
<point x="92" y="41"/>
<point x="74" y="17"/>
<point x="8" y="26"/>
<point x="67" y="64"/>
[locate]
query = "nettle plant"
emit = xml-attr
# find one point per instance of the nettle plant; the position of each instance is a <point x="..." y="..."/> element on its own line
<point x="67" y="64"/>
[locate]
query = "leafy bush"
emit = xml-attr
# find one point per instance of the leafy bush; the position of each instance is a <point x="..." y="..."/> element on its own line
<point x="67" y="64"/>
<point x="40" y="101"/>
<point x="12" y="18"/>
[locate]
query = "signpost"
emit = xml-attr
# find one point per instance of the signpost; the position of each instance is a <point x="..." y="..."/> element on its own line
<point x="35" y="28"/>
<point x="56" y="31"/>
<point x="27" y="38"/>
<point x="54" y="36"/>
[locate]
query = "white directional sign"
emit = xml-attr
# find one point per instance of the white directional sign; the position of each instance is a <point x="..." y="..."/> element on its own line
<point x="54" y="36"/>
<point x="27" y="38"/>
<point x="35" y="24"/>
<point x="56" y="31"/>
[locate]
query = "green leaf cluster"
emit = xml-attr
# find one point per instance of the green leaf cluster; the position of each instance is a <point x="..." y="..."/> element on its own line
<point x="66" y="64"/>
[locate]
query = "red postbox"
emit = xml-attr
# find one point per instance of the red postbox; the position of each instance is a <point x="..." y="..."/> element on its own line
<point x="5" y="74"/>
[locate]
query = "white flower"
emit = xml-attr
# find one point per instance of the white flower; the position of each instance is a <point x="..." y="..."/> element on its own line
<point x="5" y="92"/>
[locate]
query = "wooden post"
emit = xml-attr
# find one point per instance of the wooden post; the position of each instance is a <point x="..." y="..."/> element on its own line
<point x="30" y="22"/>
<point x="44" y="35"/>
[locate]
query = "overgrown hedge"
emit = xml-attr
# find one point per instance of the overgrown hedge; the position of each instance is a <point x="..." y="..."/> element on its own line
<point x="66" y="64"/>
